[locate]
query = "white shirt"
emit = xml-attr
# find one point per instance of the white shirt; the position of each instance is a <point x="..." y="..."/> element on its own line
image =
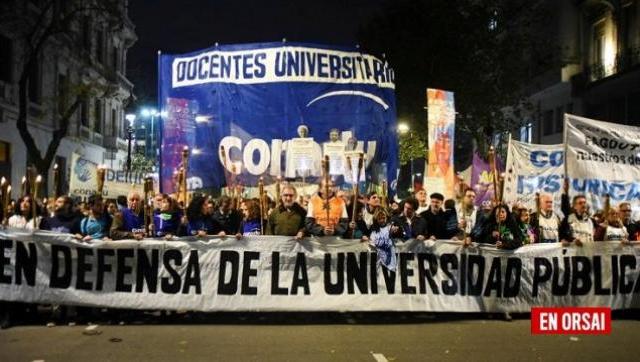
<point x="581" y="229"/>
<point x="469" y="218"/>
<point x="615" y="233"/>
<point x="548" y="228"/>
<point x="19" y="221"/>
<point x="422" y="209"/>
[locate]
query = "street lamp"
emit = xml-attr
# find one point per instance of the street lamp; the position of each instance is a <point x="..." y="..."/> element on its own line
<point x="403" y="128"/>
<point x="150" y="139"/>
<point x="131" y="118"/>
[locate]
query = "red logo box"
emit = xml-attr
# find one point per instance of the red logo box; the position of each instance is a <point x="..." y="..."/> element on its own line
<point x="571" y="320"/>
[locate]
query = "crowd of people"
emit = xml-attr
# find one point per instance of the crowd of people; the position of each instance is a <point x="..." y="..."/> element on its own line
<point x="331" y="212"/>
<point x="416" y="217"/>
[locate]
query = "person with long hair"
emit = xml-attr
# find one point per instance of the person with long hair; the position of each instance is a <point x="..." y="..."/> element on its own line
<point x="612" y="228"/>
<point x="166" y="220"/>
<point x="500" y="229"/>
<point x="523" y="219"/>
<point x="381" y="235"/>
<point x="200" y="223"/>
<point x="23" y="216"/>
<point x="250" y="224"/>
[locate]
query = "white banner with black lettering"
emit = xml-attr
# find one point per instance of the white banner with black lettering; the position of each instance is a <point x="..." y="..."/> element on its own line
<point x="532" y="169"/>
<point x="603" y="158"/>
<point x="271" y="273"/>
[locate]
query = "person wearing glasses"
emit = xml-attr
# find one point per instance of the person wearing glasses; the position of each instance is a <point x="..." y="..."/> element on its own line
<point x="633" y="227"/>
<point x="577" y="227"/>
<point x="288" y="219"/>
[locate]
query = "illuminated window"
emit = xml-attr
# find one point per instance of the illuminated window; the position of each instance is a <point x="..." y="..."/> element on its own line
<point x="526" y="133"/>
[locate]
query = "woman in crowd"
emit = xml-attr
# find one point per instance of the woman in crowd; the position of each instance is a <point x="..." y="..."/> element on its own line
<point x="112" y="208"/>
<point x="499" y="229"/>
<point x="23" y="218"/>
<point x="612" y="228"/>
<point x="96" y="225"/>
<point x="250" y="224"/>
<point x="381" y="238"/>
<point x="166" y="220"/>
<point x="523" y="221"/>
<point x="200" y="223"/>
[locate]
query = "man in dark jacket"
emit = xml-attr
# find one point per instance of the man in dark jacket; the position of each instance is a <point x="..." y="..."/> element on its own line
<point x="410" y="225"/>
<point x="435" y="218"/>
<point x="64" y="220"/>
<point x="226" y="217"/>
<point x="633" y="227"/>
<point x="289" y="218"/>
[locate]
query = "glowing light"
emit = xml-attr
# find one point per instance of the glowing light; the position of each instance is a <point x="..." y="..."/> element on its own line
<point x="202" y="119"/>
<point x="403" y="128"/>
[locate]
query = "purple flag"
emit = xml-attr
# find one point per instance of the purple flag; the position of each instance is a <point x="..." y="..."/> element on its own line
<point x="482" y="178"/>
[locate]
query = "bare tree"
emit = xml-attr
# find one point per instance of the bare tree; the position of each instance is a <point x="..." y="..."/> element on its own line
<point x="43" y="26"/>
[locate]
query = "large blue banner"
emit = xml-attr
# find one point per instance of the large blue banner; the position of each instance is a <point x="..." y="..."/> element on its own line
<point x="240" y="107"/>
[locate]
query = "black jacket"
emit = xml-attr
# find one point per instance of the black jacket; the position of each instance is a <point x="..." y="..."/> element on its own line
<point x="418" y="227"/>
<point x="436" y="224"/>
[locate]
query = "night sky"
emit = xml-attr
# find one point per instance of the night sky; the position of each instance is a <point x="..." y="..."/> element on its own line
<point x="189" y="25"/>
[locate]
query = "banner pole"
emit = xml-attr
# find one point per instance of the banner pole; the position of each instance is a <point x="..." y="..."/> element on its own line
<point x="566" y="154"/>
<point x="161" y="123"/>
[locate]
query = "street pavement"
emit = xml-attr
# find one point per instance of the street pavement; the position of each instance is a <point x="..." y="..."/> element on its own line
<point x="316" y="337"/>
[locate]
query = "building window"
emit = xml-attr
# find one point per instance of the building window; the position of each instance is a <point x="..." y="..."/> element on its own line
<point x="559" y="123"/>
<point x="114" y="123"/>
<point x="86" y="34"/>
<point x="547" y="122"/>
<point x="627" y="21"/>
<point x="34" y="83"/>
<point x="62" y="94"/>
<point x="6" y="59"/>
<point x="84" y="113"/>
<point x="5" y="160"/>
<point x="97" y="112"/>
<point x="116" y="59"/>
<point x="598" y="44"/>
<point x="526" y="133"/>
<point x="100" y="46"/>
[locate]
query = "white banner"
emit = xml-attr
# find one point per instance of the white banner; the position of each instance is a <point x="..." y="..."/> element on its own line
<point x="532" y="169"/>
<point x="83" y="180"/>
<point x="603" y="158"/>
<point x="274" y="273"/>
<point x="281" y="64"/>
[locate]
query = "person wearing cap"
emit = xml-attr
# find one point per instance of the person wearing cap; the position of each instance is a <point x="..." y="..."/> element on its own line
<point x="435" y="218"/>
